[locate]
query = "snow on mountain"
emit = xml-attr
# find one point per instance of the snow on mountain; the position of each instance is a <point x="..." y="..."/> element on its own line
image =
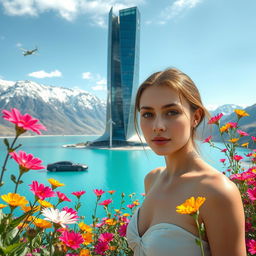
<point x="226" y="109"/>
<point x="62" y="110"/>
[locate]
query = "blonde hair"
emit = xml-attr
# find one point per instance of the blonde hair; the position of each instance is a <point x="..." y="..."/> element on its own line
<point x="185" y="87"/>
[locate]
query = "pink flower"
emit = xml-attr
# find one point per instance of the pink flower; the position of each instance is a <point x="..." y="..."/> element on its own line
<point x="242" y="133"/>
<point x="101" y="247"/>
<point x="249" y="154"/>
<point x="71" y="211"/>
<point x="252" y="246"/>
<point x="215" y="119"/>
<point x="98" y="192"/>
<point x="26" y="122"/>
<point x="122" y="230"/>
<point x="237" y="157"/>
<point x="143" y="194"/>
<point x="208" y="139"/>
<point x="232" y="124"/>
<point x="106" y="237"/>
<point x="130" y="206"/>
<point x="224" y="150"/>
<point x="78" y="194"/>
<point x="253" y="138"/>
<point x="41" y="191"/>
<point x="252" y="193"/>
<point x="27" y="161"/>
<point x="106" y="202"/>
<point x="223" y="160"/>
<point x="62" y="197"/>
<point x="71" y="239"/>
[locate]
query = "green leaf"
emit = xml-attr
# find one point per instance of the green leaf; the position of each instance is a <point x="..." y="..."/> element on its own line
<point x="197" y="241"/>
<point x="12" y="248"/>
<point x="13" y="178"/>
<point x="6" y="142"/>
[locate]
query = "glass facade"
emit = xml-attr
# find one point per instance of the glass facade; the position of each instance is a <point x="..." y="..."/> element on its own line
<point x="123" y="76"/>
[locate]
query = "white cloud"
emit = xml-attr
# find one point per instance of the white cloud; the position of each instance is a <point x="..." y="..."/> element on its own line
<point x="87" y="75"/>
<point x="68" y="9"/>
<point x="177" y="8"/>
<point x="43" y="74"/>
<point x="102" y="82"/>
<point x="99" y="88"/>
<point x="19" y="45"/>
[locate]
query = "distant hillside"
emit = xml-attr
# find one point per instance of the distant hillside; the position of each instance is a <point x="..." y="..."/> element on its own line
<point x="63" y="111"/>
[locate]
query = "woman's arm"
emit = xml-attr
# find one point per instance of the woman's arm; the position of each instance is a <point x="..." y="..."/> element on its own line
<point x="223" y="215"/>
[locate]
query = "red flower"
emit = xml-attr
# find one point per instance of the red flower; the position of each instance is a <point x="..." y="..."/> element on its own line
<point x="253" y="138"/>
<point x="106" y="202"/>
<point x="62" y="197"/>
<point x="252" y="246"/>
<point x="25" y="122"/>
<point x="111" y="192"/>
<point x="78" y="194"/>
<point x="232" y="124"/>
<point x="41" y="191"/>
<point x="106" y="237"/>
<point x="122" y="230"/>
<point x="208" y="139"/>
<point x="98" y="192"/>
<point x="101" y="247"/>
<point x="130" y="206"/>
<point x="223" y="160"/>
<point x="215" y="119"/>
<point x="237" y="157"/>
<point x="27" y="161"/>
<point x="224" y="150"/>
<point x="71" y="239"/>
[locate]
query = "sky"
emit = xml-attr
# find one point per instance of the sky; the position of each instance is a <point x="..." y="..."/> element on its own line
<point x="212" y="41"/>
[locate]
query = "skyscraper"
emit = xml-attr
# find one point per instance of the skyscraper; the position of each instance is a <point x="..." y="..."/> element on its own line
<point x="122" y="77"/>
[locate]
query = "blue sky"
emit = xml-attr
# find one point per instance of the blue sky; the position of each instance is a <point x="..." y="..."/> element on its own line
<point x="213" y="41"/>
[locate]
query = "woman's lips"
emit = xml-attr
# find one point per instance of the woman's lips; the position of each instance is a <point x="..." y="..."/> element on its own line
<point x="160" y="140"/>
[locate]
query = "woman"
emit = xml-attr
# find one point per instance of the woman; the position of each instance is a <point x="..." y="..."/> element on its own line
<point x="170" y="110"/>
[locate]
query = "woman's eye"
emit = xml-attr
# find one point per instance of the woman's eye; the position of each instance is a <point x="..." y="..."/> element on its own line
<point x="147" y="115"/>
<point x="172" y="113"/>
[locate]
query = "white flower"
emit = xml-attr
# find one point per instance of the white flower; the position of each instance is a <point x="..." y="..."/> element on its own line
<point x="59" y="217"/>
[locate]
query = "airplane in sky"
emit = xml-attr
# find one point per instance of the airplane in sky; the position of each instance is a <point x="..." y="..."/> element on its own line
<point x="29" y="52"/>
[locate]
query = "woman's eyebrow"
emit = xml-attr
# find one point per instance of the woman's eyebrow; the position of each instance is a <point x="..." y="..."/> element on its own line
<point x="163" y="107"/>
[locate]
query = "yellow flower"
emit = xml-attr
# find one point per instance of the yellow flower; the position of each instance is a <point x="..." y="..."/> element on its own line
<point x="110" y="222"/>
<point x="117" y="211"/>
<point x="28" y="208"/>
<point x="234" y="140"/>
<point x="126" y="214"/>
<point x="88" y="238"/>
<point x="45" y="204"/>
<point x="14" y="199"/>
<point x="2" y="206"/>
<point x="22" y="225"/>
<point x="85" y="252"/>
<point x="245" y="144"/>
<point x="40" y="223"/>
<point x="112" y="248"/>
<point x="136" y="202"/>
<point x="85" y="227"/>
<point x="240" y="113"/>
<point x="191" y="205"/>
<point x="224" y="128"/>
<point x="31" y="218"/>
<point x="55" y="183"/>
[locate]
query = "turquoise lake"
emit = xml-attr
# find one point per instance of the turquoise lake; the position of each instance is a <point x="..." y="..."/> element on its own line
<point x="120" y="170"/>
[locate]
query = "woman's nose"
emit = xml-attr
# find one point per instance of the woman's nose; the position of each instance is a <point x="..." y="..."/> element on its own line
<point x="159" y="125"/>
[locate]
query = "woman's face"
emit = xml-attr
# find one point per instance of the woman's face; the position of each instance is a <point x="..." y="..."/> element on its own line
<point x="165" y="120"/>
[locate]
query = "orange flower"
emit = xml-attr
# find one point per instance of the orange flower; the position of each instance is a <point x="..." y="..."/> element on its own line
<point x="2" y="206"/>
<point x="224" y="128"/>
<point x="245" y="144"/>
<point x="234" y="140"/>
<point x="112" y="248"/>
<point x="117" y="211"/>
<point x="40" y="223"/>
<point x="22" y="225"/>
<point x="84" y="227"/>
<point x="190" y="206"/>
<point x="85" y="252"/>
<point x="136" y="202"/>
<point x="111" y="192"/>
<point x="14" y="199"/>
<point x="28" y="208"/>
<point x="126" y="214"/>
<point x="110" y="222"/>
<point x="55" y="183"/>
<point x="45" y="204"/>
<point x="240" y="113"/>
<point x="88" y="238"/>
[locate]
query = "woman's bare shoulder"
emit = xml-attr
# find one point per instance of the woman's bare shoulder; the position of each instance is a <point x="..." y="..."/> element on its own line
<point x="151" y="177"/>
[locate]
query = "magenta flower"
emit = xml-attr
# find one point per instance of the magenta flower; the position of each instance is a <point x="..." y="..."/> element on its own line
<point x="71" y="211"/>
<point x="253" y="138"/>
<point x="242" y="133"/>
<point x="215" y="119"/>
<point x="208" y="139"/>
<point x="41" y="191"/>
<point x="71" y="239"/>
<point x="98" y="192"/>
<point x="224" y="150"/>
<point x="130" y="206"/>
<point x="222" y="160"/>
<point x="101" y="247"/>
<point x="122" y="230"/>
<point x="78" y="194"/>
<point x="252" y="193"/>
<point x="237" y="158"/>
<point x="26" y="122"/>
<point x="62" y="197"/>
<point x="106" y="237"/>
<point x="252" y="246"/>
<point x="232" y="124"/>
<point x="106" y="202"/>
<point x="249" y="154"/>
<point x="27" y="161"/>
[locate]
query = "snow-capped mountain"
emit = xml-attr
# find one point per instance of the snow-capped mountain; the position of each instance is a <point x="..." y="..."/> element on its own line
<point x="62" y="110"/>
<point x="226" y="109"/>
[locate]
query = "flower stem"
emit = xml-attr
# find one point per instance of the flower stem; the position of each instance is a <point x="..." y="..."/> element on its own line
<point x="200" y="233"/>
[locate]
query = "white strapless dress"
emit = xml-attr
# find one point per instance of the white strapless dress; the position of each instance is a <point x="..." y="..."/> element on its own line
<point x="163" y="239"/>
